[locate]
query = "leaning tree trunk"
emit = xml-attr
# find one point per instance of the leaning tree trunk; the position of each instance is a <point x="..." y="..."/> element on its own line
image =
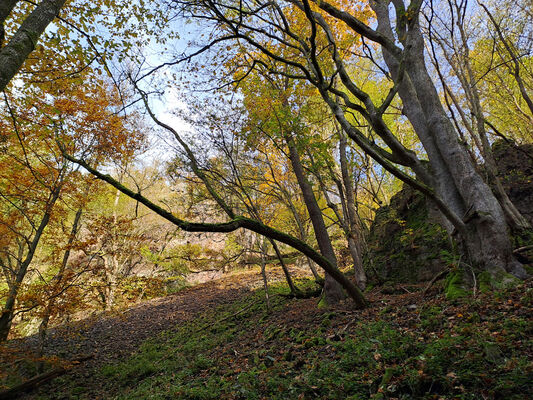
<point x="8" y="311"/>
<point x="456" y="180"/>
<point x="332" y="289"/>
<point x="23" y="42"/>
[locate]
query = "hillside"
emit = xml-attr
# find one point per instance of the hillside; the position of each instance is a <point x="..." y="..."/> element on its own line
<point x="217" y="340"/>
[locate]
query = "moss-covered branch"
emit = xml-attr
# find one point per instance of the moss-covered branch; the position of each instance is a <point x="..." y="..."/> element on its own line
<point x="230" y="226"/>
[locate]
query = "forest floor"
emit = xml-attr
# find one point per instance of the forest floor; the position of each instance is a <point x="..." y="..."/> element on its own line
<point x="218" y="341"/>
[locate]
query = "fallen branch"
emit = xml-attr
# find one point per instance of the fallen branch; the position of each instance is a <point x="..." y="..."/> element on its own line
<point x="435" y="279"/>
<point x="522" y="249"/>
<point x="40" y="379"/>
<point x="407" y="290"/>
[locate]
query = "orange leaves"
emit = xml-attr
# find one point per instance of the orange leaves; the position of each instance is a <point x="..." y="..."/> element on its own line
<point x="91" y="123"/>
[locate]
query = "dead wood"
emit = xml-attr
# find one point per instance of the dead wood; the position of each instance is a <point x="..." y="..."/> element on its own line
<point x="41" y="379"/>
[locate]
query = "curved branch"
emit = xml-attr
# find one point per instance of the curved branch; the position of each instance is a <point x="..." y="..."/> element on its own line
<point x="231" y="226"/>
<point x="359" y="27"/>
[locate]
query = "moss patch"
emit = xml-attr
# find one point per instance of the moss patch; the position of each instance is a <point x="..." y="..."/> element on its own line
<point x="405" y="245"/>
<point x="455" y="287"/>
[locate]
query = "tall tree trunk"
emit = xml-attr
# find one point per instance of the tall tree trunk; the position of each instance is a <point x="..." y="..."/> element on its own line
<point x="112" y="264"/>
<point x="354" y="234"/>
<point x="261" y="240"/>
<point x="301" y="231"/>
<point x="332" y="289"/>
<point x="455" y="177"/>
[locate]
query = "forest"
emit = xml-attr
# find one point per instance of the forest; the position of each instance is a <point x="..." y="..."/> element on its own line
<point x="266" y="199"/>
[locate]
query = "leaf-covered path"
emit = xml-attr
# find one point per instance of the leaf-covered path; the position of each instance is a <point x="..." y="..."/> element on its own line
<point x="116" y="336"/>
<point x="219" y="343"/>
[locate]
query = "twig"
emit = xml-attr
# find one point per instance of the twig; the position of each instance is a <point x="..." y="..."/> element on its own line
<point x="522" y="249"/>
<point x="435" y="278"/>
<point x="407" y="290"/>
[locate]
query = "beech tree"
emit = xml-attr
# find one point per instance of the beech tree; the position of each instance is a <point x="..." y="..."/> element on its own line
<point x="307" y="41"/>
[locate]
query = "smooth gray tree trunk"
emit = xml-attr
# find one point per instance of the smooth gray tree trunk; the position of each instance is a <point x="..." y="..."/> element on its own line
<point x="455" y="177"/>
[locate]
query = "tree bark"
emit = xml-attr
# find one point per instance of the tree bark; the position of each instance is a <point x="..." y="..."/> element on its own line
<point x="456" y="180"/>
<point x="6" y="6"/>
<point x="24" y="41"/>
<point x="354" y="234"/>
<point x="263" y="249"/>
<point x="333" y="291"/>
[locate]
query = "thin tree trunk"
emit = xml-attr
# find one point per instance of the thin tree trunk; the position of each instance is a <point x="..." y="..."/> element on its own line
<point x="332" y="289"/>
<point x="263" y="249"/>
<point x="43" y="327"/>
<point x="354" y="235"/>
<point x="112" y="269"/>
<point x="284" y="268"/>
<point x="9" y="307"/>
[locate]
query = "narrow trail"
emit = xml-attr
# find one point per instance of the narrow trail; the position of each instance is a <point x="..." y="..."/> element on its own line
<point x="115" y="336"/>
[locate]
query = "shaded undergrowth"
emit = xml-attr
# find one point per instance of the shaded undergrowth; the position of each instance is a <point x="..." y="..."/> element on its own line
<point x="403" y="347"/>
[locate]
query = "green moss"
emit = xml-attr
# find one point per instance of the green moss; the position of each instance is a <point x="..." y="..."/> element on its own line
<point x="387" y="376"/>
<point x="220" y="354"/>
<point x="455" y="287"/>
<point x="503" y="280"/>
<point x="405" y="245"/>
<point x="523" y="238"/>
<point x="484" y="282"/>
<point x="499" y="281"/>
<point x="323" y="303"/>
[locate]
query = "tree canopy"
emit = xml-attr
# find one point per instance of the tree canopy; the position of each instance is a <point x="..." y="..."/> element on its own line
<point x="303" y="118"/>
